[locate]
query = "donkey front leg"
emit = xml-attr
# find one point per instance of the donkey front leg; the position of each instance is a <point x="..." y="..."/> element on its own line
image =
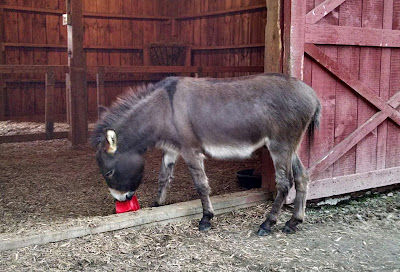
<point x="284" y="181"/>
<point x="166" y="176"/>
<point x="196" y="168"/>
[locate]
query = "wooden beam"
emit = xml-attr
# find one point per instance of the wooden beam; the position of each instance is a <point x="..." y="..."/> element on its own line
<point x="31" y="137"/>
<point x="77" y="75"/>
<point x="345" y="35"/>
<point x="347" y="77"/>
<point x="62" y="46"/>
<point x="222" y="12"/>
<point x="30" y="9"/>
<point x="351" y="140"/>
<point x="322" y="10"/>
<point x="18" y="69"/>
<point x="294" y="12"/>
<point x="143" y="218"/>
<point x="349" y="183"/>
<point x="49" y="103"/>
<point x="224" y="47"/>
<point x="178" y="69"/>
<point x="2" y="99"/>
<point x="125" y="17"/>
<point x="12" y="69"/>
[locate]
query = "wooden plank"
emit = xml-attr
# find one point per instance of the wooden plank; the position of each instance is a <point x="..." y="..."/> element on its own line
<point x="173" y="213"/>
<point x="347" y="77"/>
<point x="295" y="41"/>
<point x="387" y="22"/>
<point x="77" y="67"/>
<point x="370" y="68"/>
<point x="126" y="17"/>
<point x="2" y="38"/>
<point x="322" y="10"/>
<point x="355" y="137"/>
<point x="101" y="94"/>
<point x="31" y="137"/>
<point x="12" y="69"/>
<point x="221" y="12"/>
<point x="2" y="61"/>
<point x="346" y="100"/>
<point x="347" y="35"/>
<point x="224" y="47"/>
<point x="49" y="102"/>
<point x="350" y="183"/>
<point x="67" y="97"/>
<point x="32" y="10"/>
<point x="393" y="137"/>
<point x="103" y="34"/>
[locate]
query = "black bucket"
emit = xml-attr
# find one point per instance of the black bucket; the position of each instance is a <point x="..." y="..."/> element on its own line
<point x="247" y="179"/>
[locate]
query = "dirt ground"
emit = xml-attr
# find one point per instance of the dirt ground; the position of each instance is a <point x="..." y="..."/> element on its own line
<point x="361" y="235"/>
<point x="45" y="186"/>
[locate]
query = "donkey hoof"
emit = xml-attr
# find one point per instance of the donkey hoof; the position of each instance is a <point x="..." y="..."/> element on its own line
<point x="288" y="229"/>
<point x="204" y="226"/>
<point x="263" y="232"/>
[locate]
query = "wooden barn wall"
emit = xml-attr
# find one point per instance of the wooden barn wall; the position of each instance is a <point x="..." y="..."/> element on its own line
<point x="344" y="110"/>
<point x="241" y="28"/>
<point x="36" y="35"/>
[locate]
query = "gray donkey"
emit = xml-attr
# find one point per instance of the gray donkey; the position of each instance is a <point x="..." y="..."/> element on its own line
<point x="220" y="118"/>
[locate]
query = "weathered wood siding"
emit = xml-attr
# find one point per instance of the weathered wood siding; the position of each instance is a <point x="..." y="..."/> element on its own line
<point x="115" y="33"/>
<point x="343" y="109"/>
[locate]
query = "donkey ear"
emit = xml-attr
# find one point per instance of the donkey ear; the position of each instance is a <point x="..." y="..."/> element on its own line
<point x="102" y="111"/>
<point x="111" y="141"/>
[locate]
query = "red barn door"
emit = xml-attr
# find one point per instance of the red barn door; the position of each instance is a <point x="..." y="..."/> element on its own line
<point x="349" y="52"/>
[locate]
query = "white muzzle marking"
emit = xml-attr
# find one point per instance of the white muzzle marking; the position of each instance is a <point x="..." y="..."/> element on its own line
<point x="120" y="196"/>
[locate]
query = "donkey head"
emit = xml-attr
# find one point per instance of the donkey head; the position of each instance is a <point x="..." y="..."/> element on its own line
<point x="122" y="170"/>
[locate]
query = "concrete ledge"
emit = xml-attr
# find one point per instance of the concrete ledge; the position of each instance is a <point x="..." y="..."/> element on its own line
<point x="145" y="217"/>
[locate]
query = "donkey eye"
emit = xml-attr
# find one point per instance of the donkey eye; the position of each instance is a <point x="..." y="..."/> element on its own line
<point x="110" y="173"/>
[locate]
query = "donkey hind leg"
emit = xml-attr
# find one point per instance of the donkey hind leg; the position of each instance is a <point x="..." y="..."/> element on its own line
<point x="301" y="180"/>
<point x="282" y="158"/>
<point x="195" y="162"/>
<point x="166" y="176"/>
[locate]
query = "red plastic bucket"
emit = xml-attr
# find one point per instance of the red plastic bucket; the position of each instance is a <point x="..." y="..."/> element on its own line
<point x="127" y="206"/>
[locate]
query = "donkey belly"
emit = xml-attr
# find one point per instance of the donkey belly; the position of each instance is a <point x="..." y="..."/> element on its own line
<point x="233" y="150"/>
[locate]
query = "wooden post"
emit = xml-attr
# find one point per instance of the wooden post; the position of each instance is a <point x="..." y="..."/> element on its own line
<point x="67" y="93"/>
<point x="101" y="96"/>
<point x="272" y="64"/>
<point x="77" y="75"/>
<point x="49" y="103"/>
<point x="273" y="37"/>
<point x="294" y="32"/>
<point x="2" y="61"/>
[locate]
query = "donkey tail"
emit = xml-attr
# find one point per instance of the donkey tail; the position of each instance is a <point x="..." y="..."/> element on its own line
<point x="314" y="124"/>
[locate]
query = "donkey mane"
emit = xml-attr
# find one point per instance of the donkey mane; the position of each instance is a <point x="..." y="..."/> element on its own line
<point x="119" y="110"/>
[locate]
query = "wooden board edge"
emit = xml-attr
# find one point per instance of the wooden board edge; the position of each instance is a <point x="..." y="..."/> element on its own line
<point x="351" y="183"/>
<point x="145" y="217"/>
